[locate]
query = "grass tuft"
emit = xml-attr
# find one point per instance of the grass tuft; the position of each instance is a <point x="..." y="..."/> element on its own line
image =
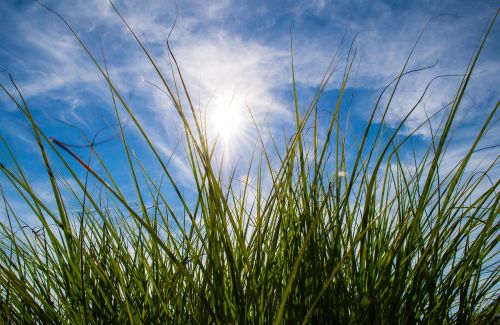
<point x="337" y="236"/>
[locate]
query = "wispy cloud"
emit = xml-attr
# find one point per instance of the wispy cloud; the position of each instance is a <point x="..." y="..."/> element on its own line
<point x="237" y="55"/>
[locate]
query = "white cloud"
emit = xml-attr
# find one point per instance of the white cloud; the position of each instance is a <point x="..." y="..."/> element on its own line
<point x="233" y="67"/>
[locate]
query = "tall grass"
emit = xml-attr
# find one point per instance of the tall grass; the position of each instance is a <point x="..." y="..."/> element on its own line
<point x="367" y="240"/>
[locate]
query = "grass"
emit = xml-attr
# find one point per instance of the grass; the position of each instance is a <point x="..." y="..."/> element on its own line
<point x="374" y="240"/>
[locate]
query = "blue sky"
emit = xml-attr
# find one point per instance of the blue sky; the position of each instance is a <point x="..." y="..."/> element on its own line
<point x="236" y="54"/>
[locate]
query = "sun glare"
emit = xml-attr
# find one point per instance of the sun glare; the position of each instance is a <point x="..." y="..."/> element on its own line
<point x="227" y="124"/>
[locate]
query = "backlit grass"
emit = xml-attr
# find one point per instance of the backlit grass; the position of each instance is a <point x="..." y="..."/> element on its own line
<point x="369" y="239"/>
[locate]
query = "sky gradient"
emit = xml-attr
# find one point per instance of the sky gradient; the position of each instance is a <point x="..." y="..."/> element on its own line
<point x="237" y="55"/>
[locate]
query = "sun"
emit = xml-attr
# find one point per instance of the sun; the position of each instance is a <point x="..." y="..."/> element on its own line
<point x="227" y="124"/>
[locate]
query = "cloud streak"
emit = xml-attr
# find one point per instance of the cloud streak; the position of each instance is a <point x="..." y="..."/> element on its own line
<point x="237" y="56"/>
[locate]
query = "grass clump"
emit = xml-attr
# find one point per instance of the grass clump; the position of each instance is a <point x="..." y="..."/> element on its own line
<point x="332" y="240"/>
